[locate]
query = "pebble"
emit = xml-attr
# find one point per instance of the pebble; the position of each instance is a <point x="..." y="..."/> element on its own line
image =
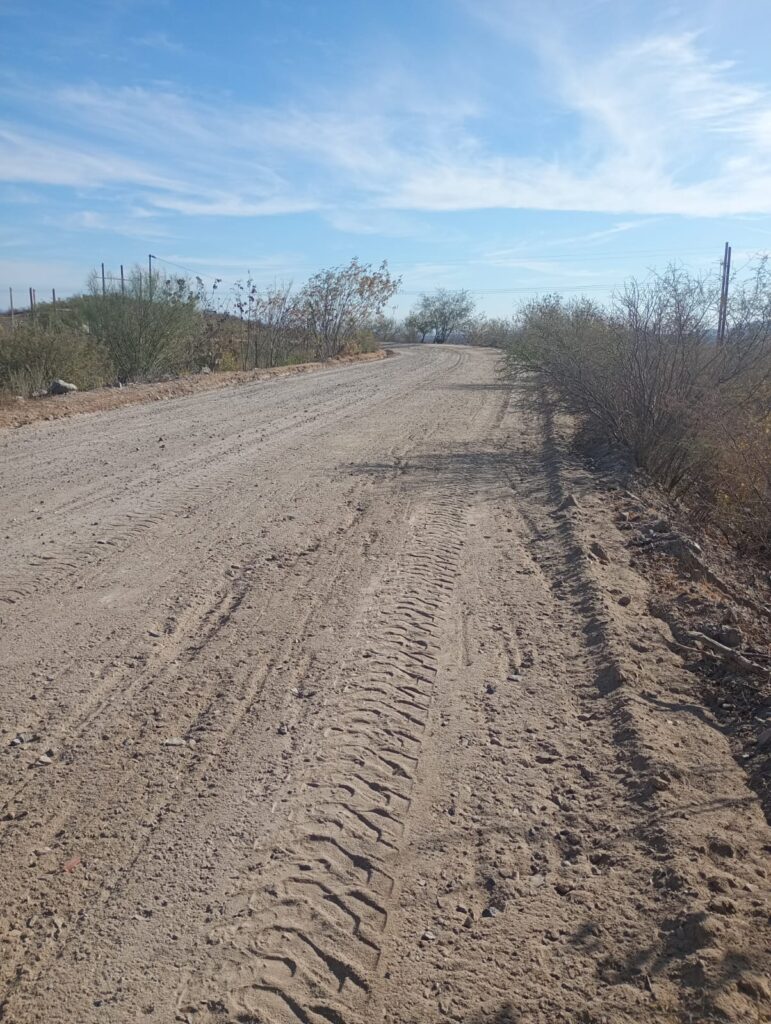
<point x="23" y="737"/>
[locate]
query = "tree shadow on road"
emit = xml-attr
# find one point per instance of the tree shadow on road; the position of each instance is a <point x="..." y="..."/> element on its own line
<point x="459" y="468"/>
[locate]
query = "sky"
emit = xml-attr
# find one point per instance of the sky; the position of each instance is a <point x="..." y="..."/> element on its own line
<point x="512" y="148"/>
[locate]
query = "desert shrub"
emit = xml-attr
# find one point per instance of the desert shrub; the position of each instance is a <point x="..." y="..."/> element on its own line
<point x="648" y="373"/>
<point x="35" y="353"/>
<point x="365" y="341"/>
<point x="336" y="305"/>
<point x="146" y="328"/>
<point x="489" y="332"/>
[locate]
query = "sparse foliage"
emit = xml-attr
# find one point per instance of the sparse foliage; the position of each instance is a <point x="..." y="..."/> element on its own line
<point x="489" y="332"/>
<point x="648" y="373"/>
<point x="336" y="304"/>
<point x="150" y="328"/>
<point x="418" y="323"/>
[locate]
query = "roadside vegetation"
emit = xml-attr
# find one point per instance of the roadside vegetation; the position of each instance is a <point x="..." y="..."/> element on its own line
<point x="647" y="373"/>
<point x="150" y="328"/>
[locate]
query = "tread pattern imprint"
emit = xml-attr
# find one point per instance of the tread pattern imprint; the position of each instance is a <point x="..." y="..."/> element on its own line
<point x="302" y="936"/>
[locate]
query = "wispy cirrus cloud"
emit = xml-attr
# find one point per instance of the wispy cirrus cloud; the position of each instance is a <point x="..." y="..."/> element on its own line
<point x="662" y="128"/>
<point x="659" y="127"/>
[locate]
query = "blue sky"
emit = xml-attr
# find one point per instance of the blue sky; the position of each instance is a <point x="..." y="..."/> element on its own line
<point x="504" y="146"/>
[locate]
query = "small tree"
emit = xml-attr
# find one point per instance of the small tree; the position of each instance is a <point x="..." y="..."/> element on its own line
<point x="418" y="322"/>
<point x="386" y="329"/>
<point x="445" y="311"/>
<point x="336" y="304"/>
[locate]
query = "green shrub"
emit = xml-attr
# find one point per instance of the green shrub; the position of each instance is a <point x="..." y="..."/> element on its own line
<point x="34" y="354"/>
<point x="146" y="328"/>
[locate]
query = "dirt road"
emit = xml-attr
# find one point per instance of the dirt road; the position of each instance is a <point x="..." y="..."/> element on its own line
<point x="316" y="709"/>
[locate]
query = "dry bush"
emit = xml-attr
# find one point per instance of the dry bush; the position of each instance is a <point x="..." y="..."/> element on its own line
<point x="335" y="306"/>
<point x="36" y="352"/>
<point x="649" y="374"/>
<point x="144" y="328"/>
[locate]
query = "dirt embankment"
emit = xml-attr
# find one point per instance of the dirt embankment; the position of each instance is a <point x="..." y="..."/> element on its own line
<point x="18" y="412"/>
<point x="351" y="704"/>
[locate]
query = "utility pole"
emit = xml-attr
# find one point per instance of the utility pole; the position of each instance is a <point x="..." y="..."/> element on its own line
<point x="723" y="310"/>
<point x="32" y="305"/>
<point x="104" y="286"/>
<point x="150" y="259"/>
<point x="13" y="319"/>
<point x="53" y="296"/>
<point x="122" y="281"/>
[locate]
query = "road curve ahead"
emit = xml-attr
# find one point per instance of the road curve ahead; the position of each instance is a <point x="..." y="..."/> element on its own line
<point x="300" y="721"/>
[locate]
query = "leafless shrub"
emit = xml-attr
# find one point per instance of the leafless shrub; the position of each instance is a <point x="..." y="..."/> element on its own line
<point x="649" y="374"/>
<point x="489" y="331"/>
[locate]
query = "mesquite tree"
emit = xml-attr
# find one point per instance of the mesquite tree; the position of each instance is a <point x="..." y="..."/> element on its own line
<point x="442" y="312"/>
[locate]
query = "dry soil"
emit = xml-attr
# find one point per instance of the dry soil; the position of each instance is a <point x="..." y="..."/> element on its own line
<point x="320" y="703"/>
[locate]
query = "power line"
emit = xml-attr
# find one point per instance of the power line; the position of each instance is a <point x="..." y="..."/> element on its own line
<point x="187" y="270"/>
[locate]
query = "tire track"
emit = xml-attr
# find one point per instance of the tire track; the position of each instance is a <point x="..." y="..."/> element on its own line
<point x="304" y="939"/>
<point x="190" y="484"/>
<point x="207" y="709"/>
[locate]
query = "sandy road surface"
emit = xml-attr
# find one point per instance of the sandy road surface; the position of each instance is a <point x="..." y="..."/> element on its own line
<point x="314" y="710"/>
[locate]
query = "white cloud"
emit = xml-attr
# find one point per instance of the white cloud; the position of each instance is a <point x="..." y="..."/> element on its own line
<point x="658" y="128"/>
<point x="663" y="131"/>
<point x="128" y="226"/>
<point x="159" y="41"/>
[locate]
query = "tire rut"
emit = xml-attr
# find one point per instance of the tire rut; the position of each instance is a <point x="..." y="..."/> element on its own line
<point x="304" y="938"/>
